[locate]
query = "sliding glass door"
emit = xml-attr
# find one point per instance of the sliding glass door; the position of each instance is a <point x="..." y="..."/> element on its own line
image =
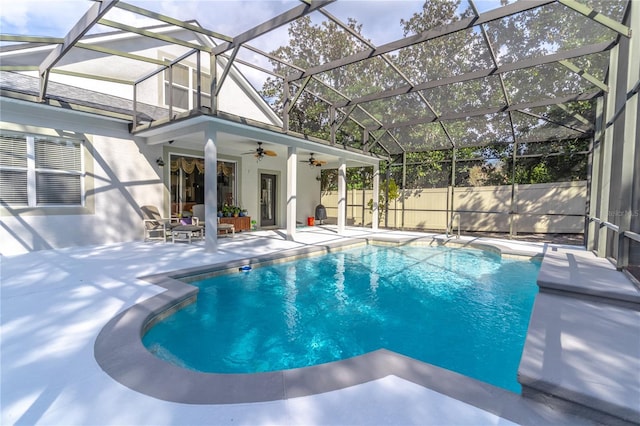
<point x="187" y="182"/>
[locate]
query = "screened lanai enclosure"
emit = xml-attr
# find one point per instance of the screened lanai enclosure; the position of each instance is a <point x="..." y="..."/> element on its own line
<point x="487" y="115"/>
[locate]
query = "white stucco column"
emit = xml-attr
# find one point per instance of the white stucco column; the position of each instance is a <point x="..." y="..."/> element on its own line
<point x="376" y="197"/>
<point x="210" y="190"/>
<point x="342" y="195"/>
<point x="292" y="183"/>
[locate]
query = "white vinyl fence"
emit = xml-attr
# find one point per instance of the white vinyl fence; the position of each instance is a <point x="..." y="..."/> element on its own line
<point x="539" y="208"/>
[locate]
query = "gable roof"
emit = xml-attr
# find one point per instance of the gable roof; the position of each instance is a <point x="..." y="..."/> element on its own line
<point x="25" y="87"/>
<point x="20" y="85"/>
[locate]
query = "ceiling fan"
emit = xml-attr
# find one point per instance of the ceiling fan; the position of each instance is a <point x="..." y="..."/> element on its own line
<point x="313" y="162"/>
<point x="261" y="152"/>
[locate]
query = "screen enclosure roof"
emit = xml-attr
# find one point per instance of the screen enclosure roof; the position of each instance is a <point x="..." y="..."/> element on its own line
<point x="385" y="77"/>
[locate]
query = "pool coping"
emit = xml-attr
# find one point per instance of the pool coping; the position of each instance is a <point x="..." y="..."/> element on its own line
<point x="563" y="358"/>
<point x="120" y="353"/>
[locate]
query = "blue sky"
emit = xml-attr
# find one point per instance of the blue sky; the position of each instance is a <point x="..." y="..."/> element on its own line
<point x="54" y="18"/>
<point x="381" y="18"/>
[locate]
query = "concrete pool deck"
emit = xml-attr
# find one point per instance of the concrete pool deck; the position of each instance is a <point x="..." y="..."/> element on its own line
<point x="54" y="304"/>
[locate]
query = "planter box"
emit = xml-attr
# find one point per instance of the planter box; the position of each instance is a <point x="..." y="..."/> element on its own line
<point x="239" y="223"/>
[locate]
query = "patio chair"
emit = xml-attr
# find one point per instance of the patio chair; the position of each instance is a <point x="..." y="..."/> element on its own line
<point x="198" y="216"/>
<point x="156" y="227"/>
<point x="198" y="213"/>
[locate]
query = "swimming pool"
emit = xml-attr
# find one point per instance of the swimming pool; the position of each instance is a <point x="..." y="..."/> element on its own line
<point x="464" y="310"/>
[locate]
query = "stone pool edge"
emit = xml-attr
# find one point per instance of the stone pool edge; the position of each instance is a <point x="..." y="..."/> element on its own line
<point x="120" y="353"/>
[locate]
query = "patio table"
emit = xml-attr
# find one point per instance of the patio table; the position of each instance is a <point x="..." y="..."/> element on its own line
<point x="187" y="233"/>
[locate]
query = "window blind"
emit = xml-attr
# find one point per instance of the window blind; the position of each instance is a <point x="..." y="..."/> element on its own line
<point x="57" y="189"/>
<point x="13" y="169"/>
<point x="57" y="154"/>
<point x="54" y="172"/>
<point x="13" y="187"/>
<point x="13" y="150"/>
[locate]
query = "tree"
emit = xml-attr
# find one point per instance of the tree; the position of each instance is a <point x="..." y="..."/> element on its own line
<point x="311" y="45"/>
<point x="484" y="144"/>
<point x="387" y="194"/>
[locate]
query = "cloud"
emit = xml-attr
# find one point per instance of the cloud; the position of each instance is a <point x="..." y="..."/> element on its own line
<point x="127" y="18"/>
<point x="52" y="18"/>
<point x="226" y="16"/>
<point x="380" y="19"/>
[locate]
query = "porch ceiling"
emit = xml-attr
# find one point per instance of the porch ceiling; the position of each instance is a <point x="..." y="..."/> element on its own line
<point x="477" y="73"/>
<point x="230" y="145"/>
<point x="238" y="140"/>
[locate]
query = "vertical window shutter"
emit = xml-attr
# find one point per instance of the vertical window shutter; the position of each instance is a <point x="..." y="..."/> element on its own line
<point x="13" y="169"/>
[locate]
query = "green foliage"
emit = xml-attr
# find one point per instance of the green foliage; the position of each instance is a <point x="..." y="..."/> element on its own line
<point x="546" y="150"/>
<point x="311" y="45"/>
<point x="540" y="173"/>
<point x="387" y="194"/>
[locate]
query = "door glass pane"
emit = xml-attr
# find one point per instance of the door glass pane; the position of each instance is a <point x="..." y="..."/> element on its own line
<point x="226" y="184"/>
<point x="267" y="200"/>
<point x="187" y="183"/>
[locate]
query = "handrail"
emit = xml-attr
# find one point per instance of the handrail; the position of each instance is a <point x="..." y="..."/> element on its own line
<point x="622" y="260"/>
<point x="453" y="217"/>
<point x="602" y="223"/>
<point x="632" y="236"/>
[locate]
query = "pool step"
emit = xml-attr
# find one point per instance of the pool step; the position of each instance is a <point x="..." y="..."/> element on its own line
<point x="581" y="273"/>
<point x="583" y="342"/>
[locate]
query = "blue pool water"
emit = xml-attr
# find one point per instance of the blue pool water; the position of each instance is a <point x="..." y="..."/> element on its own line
<point x="464" y="310"/>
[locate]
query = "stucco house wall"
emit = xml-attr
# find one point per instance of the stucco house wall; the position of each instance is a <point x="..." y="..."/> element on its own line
<point x="237" y="96"/>
<point x="308" y="188"/>
<point x="121" y="170"/>
<point x="121" y="175"/>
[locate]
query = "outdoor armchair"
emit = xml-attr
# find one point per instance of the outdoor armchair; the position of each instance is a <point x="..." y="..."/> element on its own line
<point x="156" y="227"/>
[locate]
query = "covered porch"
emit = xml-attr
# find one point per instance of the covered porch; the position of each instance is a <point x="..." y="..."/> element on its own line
<point x="295" y="164"/>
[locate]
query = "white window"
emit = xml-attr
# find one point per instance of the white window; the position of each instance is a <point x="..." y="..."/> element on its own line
<point x="185" y="87"/>
<point x="205" y="88"/>
<point x="40" y="171"/>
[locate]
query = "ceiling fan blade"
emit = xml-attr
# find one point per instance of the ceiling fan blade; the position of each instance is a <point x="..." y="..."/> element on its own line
<point x="269" y="153"/>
